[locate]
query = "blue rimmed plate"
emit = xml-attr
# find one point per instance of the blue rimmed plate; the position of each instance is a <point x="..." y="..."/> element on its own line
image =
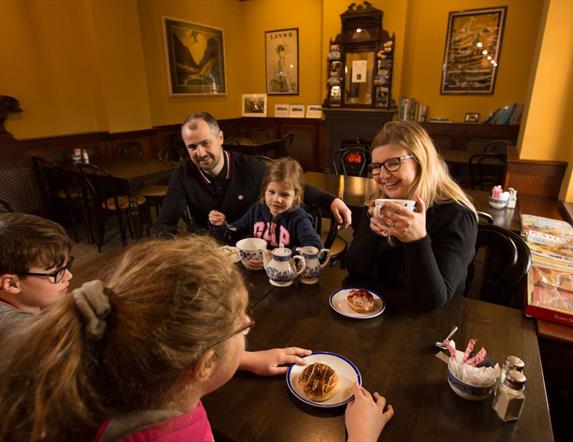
<point x="340" y="305"/>
<point x="347" y="373"/>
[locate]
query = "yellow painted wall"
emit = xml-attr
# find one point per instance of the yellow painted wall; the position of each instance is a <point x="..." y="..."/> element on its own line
<point x="47" y="64"/>
<point x="548" y="129"/>
<point x="120" y="63"/>
<point x="264" y="15"/>
<point x="426" y="37"/>
<point x="223" y="14"/>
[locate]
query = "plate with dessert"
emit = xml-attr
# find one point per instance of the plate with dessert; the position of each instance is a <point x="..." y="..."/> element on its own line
<point x="357" y="303"/>
<point x="325" y="382"/>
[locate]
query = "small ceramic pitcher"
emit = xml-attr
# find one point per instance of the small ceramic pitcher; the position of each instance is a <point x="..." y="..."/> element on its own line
<point x="280" y="267"/>
<point x="312" y="257"/>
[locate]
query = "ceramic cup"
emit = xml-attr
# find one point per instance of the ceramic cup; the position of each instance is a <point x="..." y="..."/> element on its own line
<point x="410" y="204"/>
<point x="251" y="249"/>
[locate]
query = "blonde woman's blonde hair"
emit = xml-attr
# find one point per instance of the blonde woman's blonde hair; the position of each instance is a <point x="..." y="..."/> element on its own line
<point x="433" y="182"/>
<point x="170" y="302"/>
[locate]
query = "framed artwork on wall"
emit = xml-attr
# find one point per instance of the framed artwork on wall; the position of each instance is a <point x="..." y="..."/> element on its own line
<point x="473" y="45"/>
<point x="254" y="105"/>
<point x="281" y="50"/>
<point x="195" y="58"/>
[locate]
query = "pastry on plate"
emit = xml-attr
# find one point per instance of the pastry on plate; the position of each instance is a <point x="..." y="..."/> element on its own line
<point x="318" y="381"/>
<point x="361" y="301"/>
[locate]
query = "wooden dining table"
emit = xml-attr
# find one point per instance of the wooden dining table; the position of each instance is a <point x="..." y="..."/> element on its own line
<point x="357" y="191"/>
<point x="395" y="354"/>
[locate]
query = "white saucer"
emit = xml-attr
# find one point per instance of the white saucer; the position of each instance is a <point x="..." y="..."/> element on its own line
<point x="347" y="373"/>
<point x="339" y="304"/>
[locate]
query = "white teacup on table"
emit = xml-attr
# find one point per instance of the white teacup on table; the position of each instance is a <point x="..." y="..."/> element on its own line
<point x="251" y="251"/>
<point x="379" y="203"/>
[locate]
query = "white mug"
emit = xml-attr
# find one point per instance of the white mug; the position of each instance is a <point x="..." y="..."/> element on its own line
<point x="379" y="203"/>
<point x="250" y="249"/>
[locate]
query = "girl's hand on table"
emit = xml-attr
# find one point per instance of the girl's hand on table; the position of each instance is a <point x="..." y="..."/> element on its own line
<point x="274" y="361"/>
<point x="216" y="218"/>
<point x="365" y="417"/>
<point x="400" y="222"/>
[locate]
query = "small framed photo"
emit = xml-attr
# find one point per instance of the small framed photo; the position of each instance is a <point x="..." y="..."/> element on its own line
<point x="471" y="117"/>
<point x="314" y="111"/>
<point x="281" y="110"/>
<point x="254" y="105"/>
<point x="296" y="111"/>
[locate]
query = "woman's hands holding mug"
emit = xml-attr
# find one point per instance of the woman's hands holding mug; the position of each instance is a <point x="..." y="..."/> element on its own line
<point x="399" y="221"/>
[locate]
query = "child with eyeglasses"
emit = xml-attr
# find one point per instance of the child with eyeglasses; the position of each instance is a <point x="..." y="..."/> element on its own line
<point x="130" y="357"/>
<point x="35" y="266"/>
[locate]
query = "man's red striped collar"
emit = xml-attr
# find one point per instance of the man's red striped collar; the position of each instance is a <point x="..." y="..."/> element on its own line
<point x="228" y="163"/>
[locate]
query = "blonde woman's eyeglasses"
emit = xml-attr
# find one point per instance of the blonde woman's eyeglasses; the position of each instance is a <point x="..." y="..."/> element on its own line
<point x="391" y="165"/>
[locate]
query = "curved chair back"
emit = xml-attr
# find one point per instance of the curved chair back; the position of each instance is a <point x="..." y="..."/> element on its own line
<point x="286" y="142"/>
<point x="130" y="150"/>
<point x="328" y="236"/>
<point x="497" y="146"/>
<point x="5" y="206"/>
<point x="487" y="170"/>
<point x="484" y="217"/>
<point x="500" y="266"/>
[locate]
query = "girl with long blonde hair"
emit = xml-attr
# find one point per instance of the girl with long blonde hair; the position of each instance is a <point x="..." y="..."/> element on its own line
<point x="426" y="251"/>
<point x="129" y="358"/>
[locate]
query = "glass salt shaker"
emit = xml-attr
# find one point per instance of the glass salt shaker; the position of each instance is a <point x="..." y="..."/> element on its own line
<point x="510" y="396"/>
<point x="512" y="201"/>
<point x="511" y="363"/>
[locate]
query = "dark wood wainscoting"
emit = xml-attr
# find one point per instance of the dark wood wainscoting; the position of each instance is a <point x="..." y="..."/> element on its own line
<point x="535" y="177"/>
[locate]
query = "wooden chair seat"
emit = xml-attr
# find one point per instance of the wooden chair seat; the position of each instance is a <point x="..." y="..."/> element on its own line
<point x="123" y="201"/>
<point x="70" y="193"/>
<point x="156" y="190"/>
<point x="338" y="246"/>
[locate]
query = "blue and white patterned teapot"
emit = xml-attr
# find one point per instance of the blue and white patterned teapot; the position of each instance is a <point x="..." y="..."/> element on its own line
<point x="280" y="267"/>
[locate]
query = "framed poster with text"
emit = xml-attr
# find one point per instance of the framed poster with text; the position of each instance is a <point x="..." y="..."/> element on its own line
<point x="281" y="49"/>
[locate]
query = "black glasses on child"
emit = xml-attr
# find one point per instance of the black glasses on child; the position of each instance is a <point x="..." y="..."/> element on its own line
<point x="57" y="275"/>
<point x="244" y="329"/>
<point x="391" y="165"/>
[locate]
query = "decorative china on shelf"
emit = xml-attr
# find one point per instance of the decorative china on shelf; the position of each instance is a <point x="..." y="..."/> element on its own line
<point x="360" y="61"/>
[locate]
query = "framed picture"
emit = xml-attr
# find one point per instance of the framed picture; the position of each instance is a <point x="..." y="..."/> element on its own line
<point x="472" y="117"/>
<point x="195" y="58"/>
<point x="254" y="105"/>
<point x="296" y="111"/>
<point x="281" y="50"/>
<point x="473" y="45"/>
<point x="281" y="110"/>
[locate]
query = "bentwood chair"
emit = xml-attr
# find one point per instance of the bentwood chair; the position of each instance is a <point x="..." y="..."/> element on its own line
<point x="286" y="142"/>
<point x="487" y="170"/>
<point x="327" y="228"/>
<point x="106" y="195"/>
<point x="500" y="266"/>
<point x="62" y="194"/>
<point x="497" y="146"/>
<point x="5" y="207"/>
<point x="130" y="150"/>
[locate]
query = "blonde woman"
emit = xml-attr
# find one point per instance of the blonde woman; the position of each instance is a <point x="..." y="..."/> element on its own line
<point x="131" y="362"/>
<point x="425" y="252"/>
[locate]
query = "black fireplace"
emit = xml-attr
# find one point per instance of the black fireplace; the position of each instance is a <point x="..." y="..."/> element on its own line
<point x="352" y="124"/>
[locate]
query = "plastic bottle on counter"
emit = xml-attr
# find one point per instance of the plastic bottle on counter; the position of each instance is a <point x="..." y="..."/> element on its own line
<point x="512" y="201"/>
<point x="510" y="396"/>
<point x="85" y="156"/>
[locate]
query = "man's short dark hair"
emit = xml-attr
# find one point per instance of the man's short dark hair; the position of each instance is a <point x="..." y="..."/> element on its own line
<point x="206" y="117"/>
<point x="29" y="240"/>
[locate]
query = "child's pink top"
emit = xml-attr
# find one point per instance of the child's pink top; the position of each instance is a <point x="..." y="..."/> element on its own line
<point x="191" y="426"/>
